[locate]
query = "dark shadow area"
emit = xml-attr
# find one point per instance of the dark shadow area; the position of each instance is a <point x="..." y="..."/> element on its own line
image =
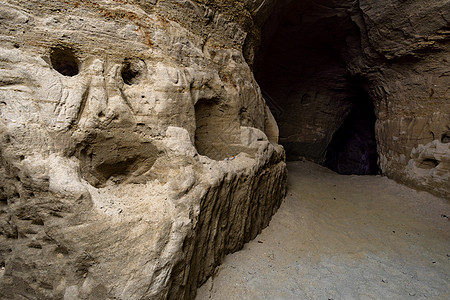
<point x="305" y="67"/>
<point x="64" y="61"/>
<point x="353" y="148"/>
<point x="133" y="70"/>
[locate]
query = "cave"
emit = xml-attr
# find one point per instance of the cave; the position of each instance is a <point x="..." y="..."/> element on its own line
<point x="353" y="148"/>
<point x="137" y="155"/>
<point x="305" y="68"/>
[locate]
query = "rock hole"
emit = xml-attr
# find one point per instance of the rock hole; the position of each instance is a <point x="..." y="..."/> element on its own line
<point x="428" y="163"/>
<point x="117" y="168"/>
<point x="34" y="245"/>
<point x="133" y="70"/>
<point x="122" y="157"/>
<point x="216" y="133"/>
<point x="445" y="138"/>
<point x="62" y="249"/>
<point x="38" y="221"/>
<point x="7" y="139"/>
<point x="64" y="61"/>
<point x="3" y="197"/>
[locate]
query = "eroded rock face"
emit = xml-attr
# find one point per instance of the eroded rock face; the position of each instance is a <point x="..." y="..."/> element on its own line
<point x="136" y="149"/>
<point x="316" y="55"/>
<point x="429" y="166"/>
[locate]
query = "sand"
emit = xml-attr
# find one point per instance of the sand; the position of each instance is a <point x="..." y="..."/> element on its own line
<point x="343" y="237"/>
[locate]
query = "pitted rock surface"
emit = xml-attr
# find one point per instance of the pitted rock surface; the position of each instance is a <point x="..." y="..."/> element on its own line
<point x="133" y="147"/>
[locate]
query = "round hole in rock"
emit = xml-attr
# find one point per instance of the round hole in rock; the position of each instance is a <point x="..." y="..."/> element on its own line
<point x="353" y="148"/>
<point x="64" y="61"/>
<point x="133" y="70"/>
<point x="445" y="138"/>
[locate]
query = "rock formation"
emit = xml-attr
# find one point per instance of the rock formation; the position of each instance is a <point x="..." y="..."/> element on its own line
<point x="136" y="149"/>
<point x="321" y="59"/>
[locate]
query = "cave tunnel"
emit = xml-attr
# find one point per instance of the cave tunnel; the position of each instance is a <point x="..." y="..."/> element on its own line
<point x="305" y="67"/>
<point x="353" y="148"/>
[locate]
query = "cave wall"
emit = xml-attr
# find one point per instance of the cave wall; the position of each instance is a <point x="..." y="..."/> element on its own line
<point x="411" y="90"/>
<point x="313" y="53"/>
<point x="116" y="181"/>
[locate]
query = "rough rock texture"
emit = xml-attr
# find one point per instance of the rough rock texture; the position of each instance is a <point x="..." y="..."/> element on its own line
<point x="319" y="58"/>
<point x="136" y="149"/>
<point x="342" y="237"/>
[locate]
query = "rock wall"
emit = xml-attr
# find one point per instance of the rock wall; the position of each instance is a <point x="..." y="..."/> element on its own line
<point x="411" y="89"/>
<point x="317" y="55"/>
<point x="135" y="147"/>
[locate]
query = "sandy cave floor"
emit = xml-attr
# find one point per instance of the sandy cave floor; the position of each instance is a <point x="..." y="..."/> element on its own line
<point x="343" y="237"/>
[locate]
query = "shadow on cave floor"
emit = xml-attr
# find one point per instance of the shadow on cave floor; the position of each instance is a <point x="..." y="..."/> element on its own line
<point x="343" y="237"/>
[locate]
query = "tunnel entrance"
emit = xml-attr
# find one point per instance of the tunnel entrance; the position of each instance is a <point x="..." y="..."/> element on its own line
<point x="307" y="65"/>
<point x="353" y="148"/>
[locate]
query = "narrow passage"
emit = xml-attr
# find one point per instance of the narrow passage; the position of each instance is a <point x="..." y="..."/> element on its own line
<point x="343" y="237"/>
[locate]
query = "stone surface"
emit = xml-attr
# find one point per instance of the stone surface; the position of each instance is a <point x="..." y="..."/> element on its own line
<point x="317" y="56"/>
<point x="429" y="166"/>
<point x="342" y="237"/>
<point x="136" y="149"/>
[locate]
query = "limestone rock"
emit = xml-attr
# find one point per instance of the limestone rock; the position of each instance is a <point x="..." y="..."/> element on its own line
<point x="135" y="147"/>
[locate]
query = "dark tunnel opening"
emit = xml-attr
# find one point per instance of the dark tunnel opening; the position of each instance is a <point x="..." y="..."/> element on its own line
<point x="353" y="148"/>
<point x="306" y="69"/>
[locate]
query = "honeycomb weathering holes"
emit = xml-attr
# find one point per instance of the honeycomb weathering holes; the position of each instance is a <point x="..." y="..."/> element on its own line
<point x="64" y="61"/>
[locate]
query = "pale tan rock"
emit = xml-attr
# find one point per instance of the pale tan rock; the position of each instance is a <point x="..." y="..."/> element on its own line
<point x="134" y="148"/>
<point x="429" y="166"/>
